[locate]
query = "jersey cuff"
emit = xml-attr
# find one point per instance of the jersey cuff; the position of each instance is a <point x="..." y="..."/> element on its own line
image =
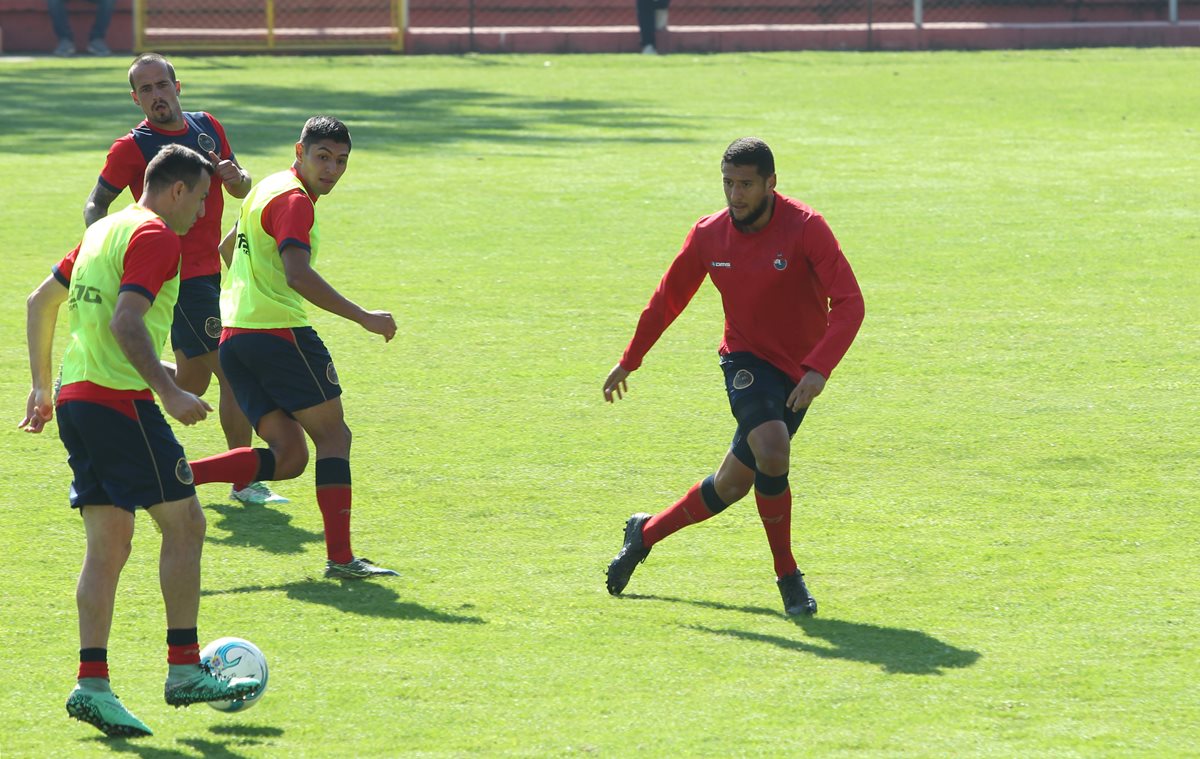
<point x="293" y="241"/>
<point x="64" y="281"/>
<point x="131" y="288"/>
<point x="108" y="186"/>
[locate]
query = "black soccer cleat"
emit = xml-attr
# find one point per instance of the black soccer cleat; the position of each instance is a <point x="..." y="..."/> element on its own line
<point x="796" y="598"/>
<point x="356" y="569"/>
<point x="631" y="554"/>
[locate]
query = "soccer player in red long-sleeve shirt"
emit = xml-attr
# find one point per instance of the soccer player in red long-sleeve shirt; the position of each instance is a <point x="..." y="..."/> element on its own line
<point x="792" y="308"/>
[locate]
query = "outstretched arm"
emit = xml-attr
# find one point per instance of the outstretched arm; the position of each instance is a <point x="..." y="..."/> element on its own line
<point x="305" y="280"/>
<point x="41" y="314"/>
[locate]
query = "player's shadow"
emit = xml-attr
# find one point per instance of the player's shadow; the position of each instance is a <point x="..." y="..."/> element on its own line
<point x="894" y="649"/>
<point x="259" y="527"/>
<point x="357" y="597"/>
<point x="205" y="748"/>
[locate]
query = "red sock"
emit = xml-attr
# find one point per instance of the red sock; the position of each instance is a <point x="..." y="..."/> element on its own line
<point x="93" y="662"/>
<point x="687" y="510"/>
<point x="776" y="514"/>
<point x="239" y="465"/>
<point x="334" y="501"/>
<point x="185" y="654"/>
<point x="182" y="646"/>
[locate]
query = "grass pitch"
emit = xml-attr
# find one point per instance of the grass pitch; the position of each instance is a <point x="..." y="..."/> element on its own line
<point x="996" y="495"/>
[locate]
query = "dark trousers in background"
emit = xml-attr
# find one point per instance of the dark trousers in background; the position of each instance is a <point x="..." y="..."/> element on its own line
<point x="645" y="17"/>
<point x="62" y="26"/>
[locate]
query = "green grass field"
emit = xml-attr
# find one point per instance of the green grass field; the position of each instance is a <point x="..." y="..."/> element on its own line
<point x="996" y="494"/>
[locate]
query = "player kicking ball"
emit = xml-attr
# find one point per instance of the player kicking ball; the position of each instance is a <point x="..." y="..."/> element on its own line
<point x="792" y="309"/>
<point x="120" y="285"/>
<point x="280" y="371"/>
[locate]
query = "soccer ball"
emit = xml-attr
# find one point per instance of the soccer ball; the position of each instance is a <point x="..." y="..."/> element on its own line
<point x="236" y="657"/>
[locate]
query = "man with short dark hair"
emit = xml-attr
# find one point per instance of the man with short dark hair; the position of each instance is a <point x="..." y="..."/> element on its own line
<point x="120" y="285"/>
<point x="196" y="327"/>
<point x="792" y="309"/>
<point x="279" y="369"/>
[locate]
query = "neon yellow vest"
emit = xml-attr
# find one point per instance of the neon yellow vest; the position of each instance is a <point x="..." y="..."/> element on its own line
<point x="93" y="354"/>
<point x="255" y="294"/>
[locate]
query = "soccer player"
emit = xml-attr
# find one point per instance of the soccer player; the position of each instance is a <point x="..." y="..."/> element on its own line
<point x="278" y="367"/>
<point x="792" y="308"/>
<point x="196" y="328"/>
<point x="120" y="286"/>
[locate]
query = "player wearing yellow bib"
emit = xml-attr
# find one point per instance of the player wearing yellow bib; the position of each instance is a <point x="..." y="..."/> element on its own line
<point x="279" y="369"/>
<point x="120" y="286"/>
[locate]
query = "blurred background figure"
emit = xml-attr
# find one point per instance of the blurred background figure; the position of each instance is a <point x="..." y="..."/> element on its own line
<point x="66" y="38"/>
<point x="652" y="16"/>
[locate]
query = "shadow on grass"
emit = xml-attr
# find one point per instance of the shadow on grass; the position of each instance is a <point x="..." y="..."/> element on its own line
<point x="266" y="116"/>
<point x="204" y="748"/>
<point x="260" y="527"/>
<point x="894" y="649"/>
<point x="356" y="597"/>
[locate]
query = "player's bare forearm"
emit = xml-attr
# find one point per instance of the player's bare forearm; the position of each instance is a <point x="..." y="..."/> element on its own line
<point x="41" y="314"/>
<point x="314" y="289"/>
<point x="131" y="334"/>
<point x="227" y="245"/>
<point x="98" y="204"/>
<point x="240" y="186"/>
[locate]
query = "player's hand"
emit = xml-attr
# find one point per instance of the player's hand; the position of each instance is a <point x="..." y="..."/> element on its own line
<point x="38" y="411"/>
<point x="227" y="170"/>
<point x="615" y="384"/>
<point x="380" y="323"/>
<point x="185" y="407"/>
<point x="810" y="386"/>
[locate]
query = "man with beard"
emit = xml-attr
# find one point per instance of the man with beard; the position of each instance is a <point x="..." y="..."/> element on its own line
<point x="792" y="309"/>
<point x="196" y="327"/>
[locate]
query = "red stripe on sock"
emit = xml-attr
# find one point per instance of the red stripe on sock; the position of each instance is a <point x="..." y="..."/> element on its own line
<point x="334" y="501"/>
<point x="238" y="465"/>
<point x="93" y="669"/>
<point x="189" y="654"/>
<point x="776" y="514"/>
<point x="687" y="510"/>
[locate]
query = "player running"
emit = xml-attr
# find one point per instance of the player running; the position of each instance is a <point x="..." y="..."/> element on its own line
<point x="278" y="367"/>
<point x="120" y="285"/>
<point x="196" y="328"/>
<point x="792" y="309"/>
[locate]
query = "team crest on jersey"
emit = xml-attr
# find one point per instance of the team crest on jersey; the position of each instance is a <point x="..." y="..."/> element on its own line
<point x="780" y="262"/>
<point x="183" y="472"/>
<point x="331" y="374"/>
<point x="212" y="327"/>
<point x="743" y="379"/>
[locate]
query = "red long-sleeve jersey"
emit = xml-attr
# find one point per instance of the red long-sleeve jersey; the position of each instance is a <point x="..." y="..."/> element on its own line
<point x="789" y="294"/>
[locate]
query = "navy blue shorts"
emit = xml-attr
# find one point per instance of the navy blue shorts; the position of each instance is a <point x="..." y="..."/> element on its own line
<point x="287" y="369"/>
<point x="758" y="393"/>
<point x="128" y="458"/>
<point x="196" y="329"/>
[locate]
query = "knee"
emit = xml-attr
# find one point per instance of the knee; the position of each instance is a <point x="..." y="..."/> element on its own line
<point x="772" y="460"/>
<point x="732" y="488"/>
<point x="291" y="459"/>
